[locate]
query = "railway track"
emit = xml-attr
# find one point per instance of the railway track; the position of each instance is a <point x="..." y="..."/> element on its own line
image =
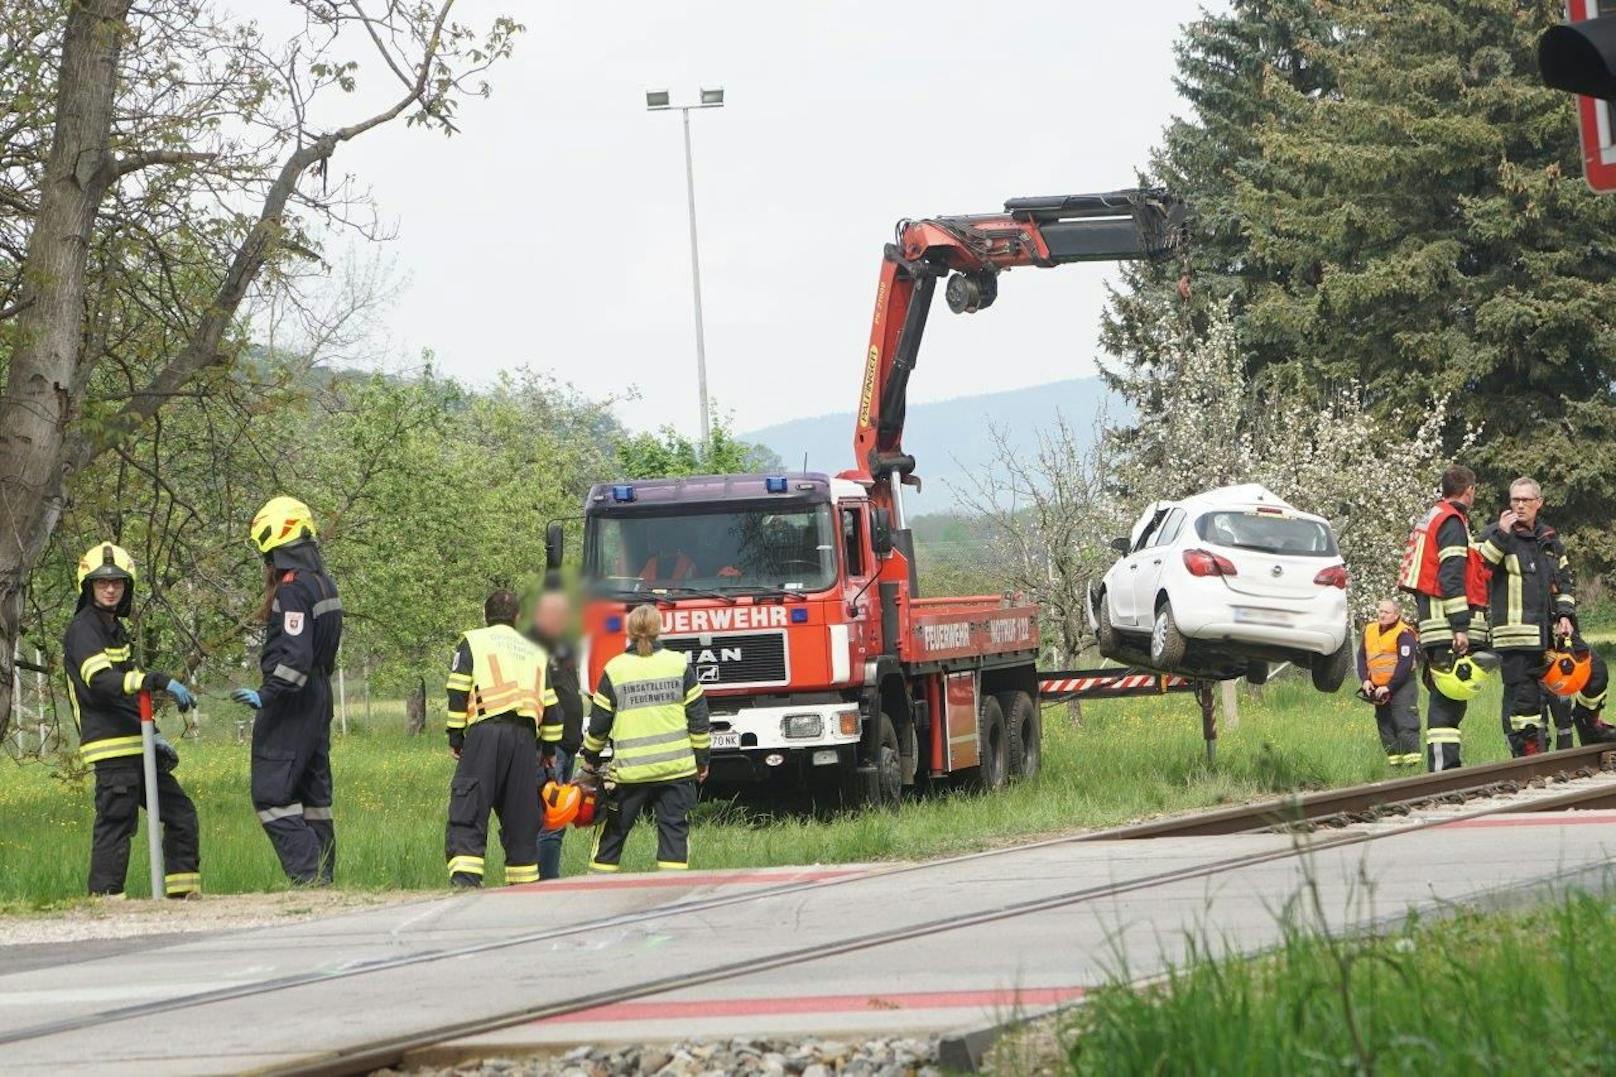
<point x="1380" y="801"/>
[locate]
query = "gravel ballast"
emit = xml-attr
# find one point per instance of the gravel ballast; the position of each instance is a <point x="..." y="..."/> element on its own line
<point x="897" y="1056"/>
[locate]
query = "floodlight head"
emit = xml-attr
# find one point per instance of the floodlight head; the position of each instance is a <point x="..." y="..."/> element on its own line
<point x="656" y="99"/>
<point x="712" y="97"/>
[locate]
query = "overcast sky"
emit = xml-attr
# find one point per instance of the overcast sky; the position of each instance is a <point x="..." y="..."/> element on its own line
<point x="552" y="231"/>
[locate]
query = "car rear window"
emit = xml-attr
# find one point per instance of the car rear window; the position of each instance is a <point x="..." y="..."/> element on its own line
<point x="1270" y="534"/>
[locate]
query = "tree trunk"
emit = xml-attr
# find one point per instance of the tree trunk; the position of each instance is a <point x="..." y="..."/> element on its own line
<point x="47" y="374"/>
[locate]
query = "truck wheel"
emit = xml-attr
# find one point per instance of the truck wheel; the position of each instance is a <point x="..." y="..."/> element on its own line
<point x="1024" y="728"/>
<point x="1167" y="643"/>
<point x="993" y="770"/>
<point x="1330" y="670"/>
<point x="889" y="766"/>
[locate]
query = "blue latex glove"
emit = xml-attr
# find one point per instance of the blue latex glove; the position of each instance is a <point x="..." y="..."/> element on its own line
<point x="181" y="695"/>
<point x="248" y="696"/>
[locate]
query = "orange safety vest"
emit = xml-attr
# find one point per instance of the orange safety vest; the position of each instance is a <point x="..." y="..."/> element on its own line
<point x="1380" y="650"/>
<point x="1422" y="559"/>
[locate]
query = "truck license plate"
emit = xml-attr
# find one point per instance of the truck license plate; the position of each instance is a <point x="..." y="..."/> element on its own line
<point x="1279" y="618"/>
<point x="726" y="739"/>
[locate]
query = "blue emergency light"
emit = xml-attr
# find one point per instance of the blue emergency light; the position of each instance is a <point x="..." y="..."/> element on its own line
<point x="775" y="484"/>
<point x="623" y="493"/>
<point x="799" y="616"/>
<point x="614" y="623"/>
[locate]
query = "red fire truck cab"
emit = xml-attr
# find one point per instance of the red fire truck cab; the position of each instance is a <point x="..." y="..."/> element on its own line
<point x="821" y="672"/>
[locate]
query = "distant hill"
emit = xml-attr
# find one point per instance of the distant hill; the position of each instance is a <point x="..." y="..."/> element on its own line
<point x="949" y="438"/>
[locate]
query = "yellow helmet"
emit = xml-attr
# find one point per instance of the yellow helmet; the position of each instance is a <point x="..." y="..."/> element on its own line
<point x="281" y="522"/>
<point x="107" y="561"/>
<point x="1465" y="678"/>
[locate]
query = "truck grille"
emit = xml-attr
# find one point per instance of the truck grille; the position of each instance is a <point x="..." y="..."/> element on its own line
<point x="735" y="658"/>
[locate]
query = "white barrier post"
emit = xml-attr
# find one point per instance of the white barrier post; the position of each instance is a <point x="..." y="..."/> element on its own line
<point x="154" y="821"/>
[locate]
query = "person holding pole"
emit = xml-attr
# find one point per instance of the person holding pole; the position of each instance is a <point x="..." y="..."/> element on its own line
<point x="291" y="738"/>
<point x="105" y="690"/>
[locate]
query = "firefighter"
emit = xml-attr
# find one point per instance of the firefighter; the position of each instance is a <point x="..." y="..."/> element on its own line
<point x="1386" y="662"/>
<point x="103" y="685"/>
<point x="1533" y="607"/>
<point x="552" y="630"/>
<point x="1582" y="713"/>
<point x="501" y="707"/>
<point x="650" y="706"/>
<point x="291" y="737"/>
<point x="1447" y="578"/>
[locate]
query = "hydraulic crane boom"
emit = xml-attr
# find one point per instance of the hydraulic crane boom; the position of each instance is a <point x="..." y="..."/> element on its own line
<point x="1043" y="231"/>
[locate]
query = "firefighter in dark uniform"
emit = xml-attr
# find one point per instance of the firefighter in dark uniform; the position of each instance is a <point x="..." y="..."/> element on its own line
<point x="291" y="741"/>
<point x="1582" y="714"/>
<point x="1533" y="604"/>
<point x="501" y="707"/>
<point x="103" y="688"/>
<point x="650" y="706"/>
<point x="552" y="630"/>
<point x="1447" y="579"/>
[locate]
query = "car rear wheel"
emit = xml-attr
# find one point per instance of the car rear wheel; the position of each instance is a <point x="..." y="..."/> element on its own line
<point x="1167" y="643"/>
<point x="1330" y="670"/>
<point x="1105" y="632"/>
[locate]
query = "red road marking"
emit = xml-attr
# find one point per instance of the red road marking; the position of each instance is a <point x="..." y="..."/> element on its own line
<point x="1005" y="998"/>
<point x="680" y="879"/>
<point x="1577" y="819"/>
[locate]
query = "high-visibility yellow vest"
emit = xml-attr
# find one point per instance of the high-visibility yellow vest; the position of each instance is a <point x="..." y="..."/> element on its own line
<point x="650" y="736"/>
<point x="1380" y="650"/>
<point x="509" y="675"/>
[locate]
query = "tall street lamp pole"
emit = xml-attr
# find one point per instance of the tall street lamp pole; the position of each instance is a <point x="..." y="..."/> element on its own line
<point x="659" y="101"/>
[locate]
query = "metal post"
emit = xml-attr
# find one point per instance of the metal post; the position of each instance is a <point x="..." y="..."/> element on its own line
<point x="342" y="698"/>
<point x="1209" y="721"/>
<point x="695" y="285"/>
<point x="19" y="713"/>
<point x="39" y="688"/>
<point x="154" y="821"/>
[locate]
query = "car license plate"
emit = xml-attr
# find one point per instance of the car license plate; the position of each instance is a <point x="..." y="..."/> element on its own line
<point x="1277" y="618"/>
<point x="727" y="739"/>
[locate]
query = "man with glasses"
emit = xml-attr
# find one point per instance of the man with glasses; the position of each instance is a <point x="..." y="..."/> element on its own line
<point x="1532" y="603"/>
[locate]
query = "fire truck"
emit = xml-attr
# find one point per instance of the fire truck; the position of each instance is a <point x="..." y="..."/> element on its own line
<point x="797" y="596"/>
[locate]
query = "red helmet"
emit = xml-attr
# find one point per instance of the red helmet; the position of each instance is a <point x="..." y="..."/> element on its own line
<point x="1568" y="670"/>
<point x="560" y="804"/>
<point x="588" y="799"/>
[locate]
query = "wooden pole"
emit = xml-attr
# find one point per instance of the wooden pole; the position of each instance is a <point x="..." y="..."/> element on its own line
<point x="342" y="698"/>
<point x="1231" y="705"/>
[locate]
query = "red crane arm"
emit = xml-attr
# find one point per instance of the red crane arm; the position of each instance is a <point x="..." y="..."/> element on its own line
<point x="1041" y="232"/>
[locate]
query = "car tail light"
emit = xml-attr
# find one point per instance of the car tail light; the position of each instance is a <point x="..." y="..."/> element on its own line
<point x="1203" y="563"/>
<point x="1334" y="576"/>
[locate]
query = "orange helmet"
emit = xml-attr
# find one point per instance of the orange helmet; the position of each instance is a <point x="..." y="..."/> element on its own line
<point x="587" y="801"/>
<point x="1568" y="670"/>
<point x="560" y="804"/>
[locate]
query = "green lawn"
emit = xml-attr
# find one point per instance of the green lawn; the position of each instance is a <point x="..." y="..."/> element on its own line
<point x="1127" y="759"/>
<point x="1517" y="992"/>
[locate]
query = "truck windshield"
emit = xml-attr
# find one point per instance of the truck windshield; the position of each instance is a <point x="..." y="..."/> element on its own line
<point x="724" y="549"/>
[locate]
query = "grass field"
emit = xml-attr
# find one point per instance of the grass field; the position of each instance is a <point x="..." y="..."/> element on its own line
<point x="1517" y="992"/>
<point x="1126" y="759"/>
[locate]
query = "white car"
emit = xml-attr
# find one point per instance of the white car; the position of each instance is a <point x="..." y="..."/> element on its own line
<point x="1221" y="585"/>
